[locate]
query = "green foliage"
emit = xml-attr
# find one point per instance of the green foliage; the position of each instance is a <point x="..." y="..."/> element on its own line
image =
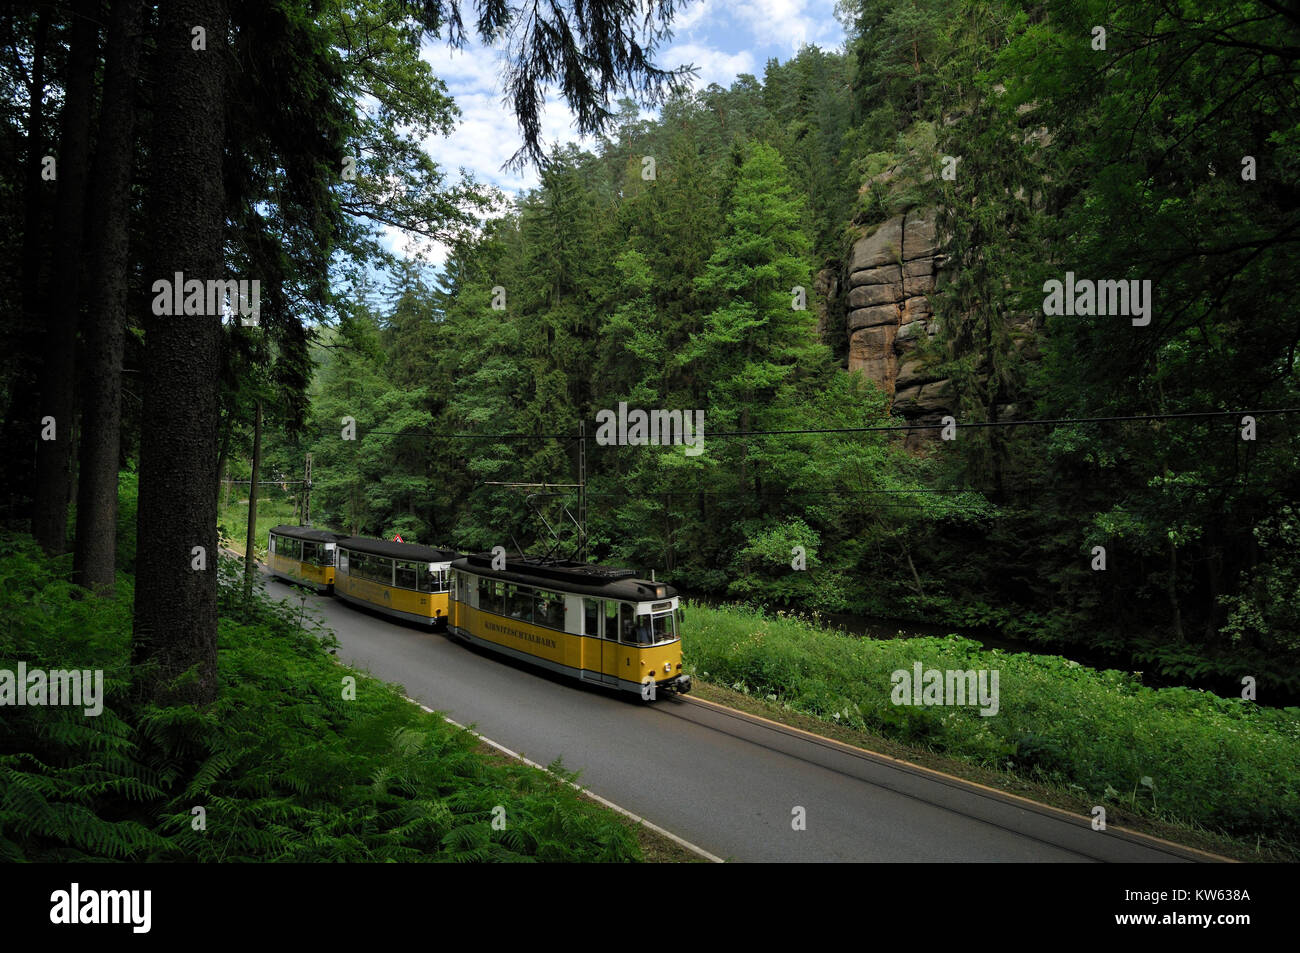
<point x="1223" y="764"/>
<point x="127" y="491"/>
<point x="900" y="49"/>
<point x="1267" y="613"/>
<point x="675" y="292"/>
<point x="284" y="768"/>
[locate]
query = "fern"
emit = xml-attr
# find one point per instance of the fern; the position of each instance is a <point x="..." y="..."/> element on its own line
<point x="283" y="768"/>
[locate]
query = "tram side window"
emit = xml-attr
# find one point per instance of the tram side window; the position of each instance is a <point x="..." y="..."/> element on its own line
<point x="270" y="546"/>
<point x="548" y="609"/>
<point x="408" y="575"/>
<point x="626" y="623"/>
<point x="375" y="568"/>
<point x="591" y="617"/>
<point x="487" y="597"/>
<point x="310" y="553"/>
<point x="433" y="580"/>
<point x="519" y="602"/>
<point x="611" y="621"/>
<point x="290" y="548"/>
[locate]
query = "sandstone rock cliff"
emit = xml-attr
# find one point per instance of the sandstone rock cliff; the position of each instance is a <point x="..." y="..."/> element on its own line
<point x="890" y="274"/>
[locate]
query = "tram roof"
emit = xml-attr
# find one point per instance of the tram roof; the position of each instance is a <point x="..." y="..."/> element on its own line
<point x="571" y="576"/>
<point x="409" y="551"/>
<point x="307" y="532"/>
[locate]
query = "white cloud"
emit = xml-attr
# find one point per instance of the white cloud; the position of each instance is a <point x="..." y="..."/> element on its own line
<point x="410" y="245"/>
<point x="786" y="24"/>
<point x="474" y="68"/>
<point x="722" y="38"/>
<point x="692" y="16"/>
<point x="712" y="65"/>
<point x="488" y="134"/>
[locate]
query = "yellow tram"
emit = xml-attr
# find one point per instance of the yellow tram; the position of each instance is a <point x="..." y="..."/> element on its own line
<point x="404" y="580"/>
<point x="302" y="555"/>
<point x="593" y="623"/>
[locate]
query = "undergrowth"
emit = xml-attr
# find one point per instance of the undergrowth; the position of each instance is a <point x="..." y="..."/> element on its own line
<point x="1181" y="755"/>
<point x="281" y="768"/>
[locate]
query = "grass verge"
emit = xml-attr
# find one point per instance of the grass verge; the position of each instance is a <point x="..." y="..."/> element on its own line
<point x="1189" y="766"/>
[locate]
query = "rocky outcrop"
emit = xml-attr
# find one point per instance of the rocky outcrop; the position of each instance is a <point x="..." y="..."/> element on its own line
<point x="890" y="274"/>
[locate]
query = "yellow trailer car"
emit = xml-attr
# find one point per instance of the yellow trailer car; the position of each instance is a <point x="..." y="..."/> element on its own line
<point x="303" y="555"/>
<point x="403" y="580"/>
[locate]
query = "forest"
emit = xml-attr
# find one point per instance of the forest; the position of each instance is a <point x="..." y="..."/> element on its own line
<point x="718" y="283"/>
<point x="695" y="260"/>
<point x="980" y="323"/>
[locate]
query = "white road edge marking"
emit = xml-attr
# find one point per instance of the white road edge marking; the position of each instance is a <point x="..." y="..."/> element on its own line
<point x="712" y="858"/>
<point x="681" y="841"/>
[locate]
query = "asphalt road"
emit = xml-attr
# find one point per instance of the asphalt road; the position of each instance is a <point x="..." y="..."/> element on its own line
<point x="723" y="781"/>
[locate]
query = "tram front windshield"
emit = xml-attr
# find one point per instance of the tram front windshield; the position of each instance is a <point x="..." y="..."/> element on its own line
<point x="656" y="628"/>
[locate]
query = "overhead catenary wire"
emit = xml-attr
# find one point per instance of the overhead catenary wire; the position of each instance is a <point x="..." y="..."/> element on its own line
<point x="814" y="492"/>
<point x="843" y="495"/>
<point x="892" y="428"/>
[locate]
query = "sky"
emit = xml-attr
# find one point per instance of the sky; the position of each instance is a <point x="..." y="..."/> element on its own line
<point x="721" y="38"/>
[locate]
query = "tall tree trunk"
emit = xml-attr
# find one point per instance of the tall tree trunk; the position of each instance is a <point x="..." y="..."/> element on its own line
<point x="32" y="185"/>
<point x="58" y="367"/>
<point x="22" y="411"/>
<point x="175" y="600"/>
<point x="94" y="563"/>
<point x="250" y="562"/>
